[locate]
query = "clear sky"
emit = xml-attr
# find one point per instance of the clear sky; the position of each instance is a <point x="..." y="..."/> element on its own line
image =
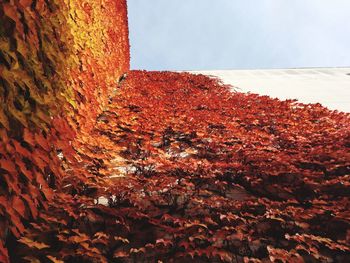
<point x="238" y="34"/>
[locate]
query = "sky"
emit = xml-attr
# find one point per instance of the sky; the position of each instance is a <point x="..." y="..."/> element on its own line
<point x="238" y="34"/>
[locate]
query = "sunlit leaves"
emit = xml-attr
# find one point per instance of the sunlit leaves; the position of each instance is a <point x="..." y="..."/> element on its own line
<point x="58" y="63"/>
<point x="222" y="175"/>
<point x="32" y="244"/>
<point x="159" y="166"/>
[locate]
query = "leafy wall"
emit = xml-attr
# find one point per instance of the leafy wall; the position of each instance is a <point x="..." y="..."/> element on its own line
<point x="59" y="61"/>
<point x="95" y="169"/>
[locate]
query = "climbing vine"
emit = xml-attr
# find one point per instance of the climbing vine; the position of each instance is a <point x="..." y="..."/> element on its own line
<point x="102" y="164"/>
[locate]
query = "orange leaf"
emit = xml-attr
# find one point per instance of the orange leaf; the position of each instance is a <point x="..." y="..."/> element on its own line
<point x="12" y="12"/>
<point x="3" y="136"/>
<point x="18" y="205"/>
<point x="33" y="244"/>
<point x="78" y="239"/>
<point x="124" y="240"/>
<point x="3" y="119"/>
<point x="21" y="150"/>
<point x="48" y="192"/>
<point x="54" y="260"/>
<point x="24" y="169"/>
<point x="31" y="204"/>
<point x="42" y="141"/>
<point x="121" y="254"/>
<point x="26" y="3"/>
<point x="39" y="159"/>
<point x="8" y="165"/>
<point x="28" y="137"/>
<point x="15" y="220"/>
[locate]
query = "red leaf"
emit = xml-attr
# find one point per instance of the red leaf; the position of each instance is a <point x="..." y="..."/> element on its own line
<point x="21" y="150"/>
<point x="42" y="141"/>
<point x="31" y="204"/>
<point x="24" y="169"/>
<point x="18" y="205"/>
<point x="4" y="257"/>
<point x="28" y="137"/>
<point x="8" y="165"/>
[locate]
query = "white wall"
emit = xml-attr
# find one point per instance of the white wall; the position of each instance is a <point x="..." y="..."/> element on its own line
<point x="328" y="86"/>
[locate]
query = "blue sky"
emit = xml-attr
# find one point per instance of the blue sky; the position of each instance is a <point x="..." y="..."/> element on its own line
<point x="238" y="34"/>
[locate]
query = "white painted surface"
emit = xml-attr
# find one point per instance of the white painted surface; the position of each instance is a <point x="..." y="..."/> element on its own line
<point x="328" y="86"/>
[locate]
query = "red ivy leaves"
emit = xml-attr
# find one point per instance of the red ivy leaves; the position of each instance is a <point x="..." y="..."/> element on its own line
<point x="219" y="176"/>
<point x="175" y="167"/>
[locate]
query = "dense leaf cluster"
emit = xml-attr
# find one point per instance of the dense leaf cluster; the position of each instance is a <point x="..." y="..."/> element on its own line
<point x="218" y="177"/>
<point x="51" y="69"/>
<point x="210" y="175"/>
<point x="154" y="166"/>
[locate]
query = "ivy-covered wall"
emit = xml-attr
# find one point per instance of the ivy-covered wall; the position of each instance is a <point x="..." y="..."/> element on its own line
<point x="59" y="61"/>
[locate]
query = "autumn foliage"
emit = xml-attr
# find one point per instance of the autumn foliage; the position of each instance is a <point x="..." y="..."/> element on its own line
<point x="59" y="60"/>
<point x="159" y="166"/>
